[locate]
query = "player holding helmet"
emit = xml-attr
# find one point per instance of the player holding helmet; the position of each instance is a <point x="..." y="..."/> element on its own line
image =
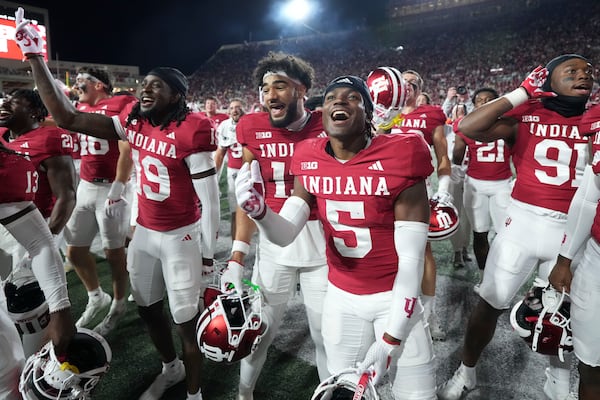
<point x="172" y="152"/>
<point x="21" y="218"/>
<point x="271" y="138"/>
<point x="374" y="209"/>
<point x="541" y="118"/>
<point x="427" y="121"/>
<point x="583" y="228"/>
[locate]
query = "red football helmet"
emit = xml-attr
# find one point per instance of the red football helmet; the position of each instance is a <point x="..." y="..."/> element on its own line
<point x="349" y="384"/>
<point x="543" y="320"/>
<point x="443" y="220"/>
<point x="388" y="91"/>
<point x="232" y="326"/>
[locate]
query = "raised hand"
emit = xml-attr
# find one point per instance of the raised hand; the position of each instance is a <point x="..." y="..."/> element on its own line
<point x="534" y="82"/>
<point x="250" y="190"/>
<point x="27" y="37"/>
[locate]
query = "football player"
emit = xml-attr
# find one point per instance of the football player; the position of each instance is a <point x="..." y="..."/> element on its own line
<point x="583" y="228"/>
<point x="49" y="148"/>
<point x="427" y="121"/>
<point x="105" y="169"/>
<point x="19" y="215"/>
<point x="211" y="107"/>
<point x="172" y="151"/>
<point x="541" y="118"/>
<point x="370" y="194"/>
<point x="486" y="181"/>
<point x="271" y="138"/>
<point x="229" y="149"/>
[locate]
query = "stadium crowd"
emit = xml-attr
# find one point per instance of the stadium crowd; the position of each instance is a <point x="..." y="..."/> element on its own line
<point x="474" y="53"/>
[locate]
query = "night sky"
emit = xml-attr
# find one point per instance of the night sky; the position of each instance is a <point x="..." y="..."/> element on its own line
<point x="184" y="35"/>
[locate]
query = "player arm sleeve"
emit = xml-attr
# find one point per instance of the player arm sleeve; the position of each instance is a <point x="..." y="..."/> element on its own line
<point x="410" y="238"/>
<point x="119" y="128"/>
<point x="581" y="214"/>
<point x="283" y="228"/>
<point x="207" y="190"/>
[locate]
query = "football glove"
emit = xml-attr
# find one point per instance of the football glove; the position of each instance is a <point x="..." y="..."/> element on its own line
<point x="114" y="206"/>
<point x="378" y="359"/>
<point x="231" y="278"/>
<point x="250" y="190"/>
<point x="27" y="36"/>
<point x="442" y="196"/>
<point x="534" y="82"/>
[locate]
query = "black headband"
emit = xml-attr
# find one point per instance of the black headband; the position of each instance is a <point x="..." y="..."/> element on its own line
<point x="173" y="77"/>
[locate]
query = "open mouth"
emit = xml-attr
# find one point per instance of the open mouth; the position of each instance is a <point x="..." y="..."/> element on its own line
<point x="339" y="115"/>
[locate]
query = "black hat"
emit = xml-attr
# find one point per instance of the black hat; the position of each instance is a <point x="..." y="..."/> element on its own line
<point x="357" y="84"/>
<point x="173" y="77"/>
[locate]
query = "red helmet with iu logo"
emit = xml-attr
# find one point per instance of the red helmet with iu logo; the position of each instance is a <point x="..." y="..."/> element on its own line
<point x="388" y="91"/>
<point x="443" y="220"/>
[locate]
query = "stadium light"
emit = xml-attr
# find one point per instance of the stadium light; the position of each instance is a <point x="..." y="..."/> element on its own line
<point x="298" y="11"/>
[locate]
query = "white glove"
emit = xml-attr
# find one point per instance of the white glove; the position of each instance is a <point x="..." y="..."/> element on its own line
<point x="379" y="356"/>
<point x="114" y="206"/>
<point x="232" y="276"/>
<point x="443" y="197"/>
<point x="27" y="36"/>
<point x="250" y="190"/>
<point x="458" y="174"/>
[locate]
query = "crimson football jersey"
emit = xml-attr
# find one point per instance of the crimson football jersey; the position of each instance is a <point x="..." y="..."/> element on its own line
<point x="99" y="156"/>
<point x="38" y="145"/>
<point x="423" y="120"/>
<point x="18" y="177"/>
<point x="217" y="118"/>
<point x="274" y="148"/>
<point x="355" y="203"/>
<point x="166" y="196"/>
<point x="590" y="125"/>
<point x="487" y="161"/>
<point x="549" y="156"/>
<point x="227" y="138"/>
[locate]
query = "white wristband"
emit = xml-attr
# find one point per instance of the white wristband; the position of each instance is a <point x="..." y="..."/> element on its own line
<point x="116" y="190"/>
<point x="517" y="96"/>
<point x="241" y="246"/>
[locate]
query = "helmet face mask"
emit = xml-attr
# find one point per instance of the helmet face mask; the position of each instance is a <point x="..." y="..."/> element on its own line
<point x="388" y="92"/>
<point x="443" y="220"/>
<point x="543" y="320"/>
<point x="45" y="377"/>
<point x="231" y="327"/>
<point x="349" y="384"/>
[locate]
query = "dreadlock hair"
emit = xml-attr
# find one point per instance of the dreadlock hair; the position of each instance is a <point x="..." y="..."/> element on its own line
<point x="39" y="110"/>
<point x="179" y="112"/>
<point x="101" y="74"/>
<point x="294" y="67"/>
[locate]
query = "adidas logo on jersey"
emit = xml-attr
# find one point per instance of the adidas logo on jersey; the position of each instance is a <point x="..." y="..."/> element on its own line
<point x="376" y="166"/>
<point x="187" y="238"/>
<point x="25" y="145"/>
<point x="171" y="135"/>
